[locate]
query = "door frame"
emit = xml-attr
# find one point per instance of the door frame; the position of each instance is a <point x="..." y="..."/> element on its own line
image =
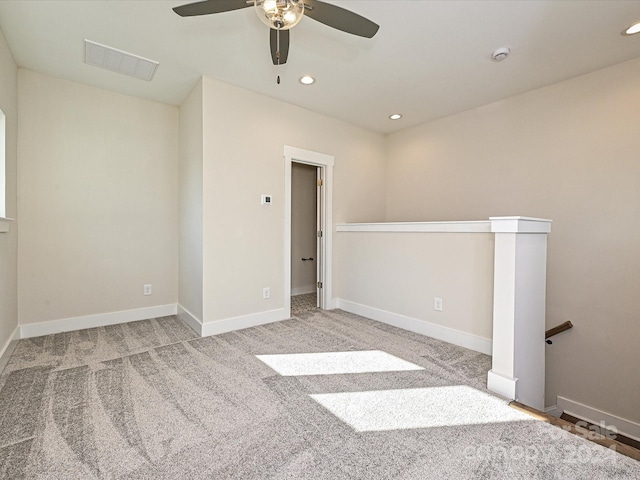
<point x="325" y="162"/>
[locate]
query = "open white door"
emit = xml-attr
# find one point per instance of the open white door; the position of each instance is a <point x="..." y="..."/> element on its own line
<point x="324" y="252"/>
<point x="319" y="238"/>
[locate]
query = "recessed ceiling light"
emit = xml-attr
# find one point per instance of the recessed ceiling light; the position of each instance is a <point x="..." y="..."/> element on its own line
<point x="307" y="80"/>
<point x="395" y="116"/>
<point x="633" y="29"/>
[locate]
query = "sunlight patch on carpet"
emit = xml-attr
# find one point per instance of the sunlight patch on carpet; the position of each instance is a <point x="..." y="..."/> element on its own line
<point x="331" y="363"/>
<point x="374" y="411"/>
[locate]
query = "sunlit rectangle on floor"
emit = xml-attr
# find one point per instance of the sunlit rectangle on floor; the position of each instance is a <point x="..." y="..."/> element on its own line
<point x="418" y="408"/>
<point x="328" y="363"/>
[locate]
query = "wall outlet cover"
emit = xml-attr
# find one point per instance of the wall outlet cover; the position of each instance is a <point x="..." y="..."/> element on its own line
<point x="437" y="304"/>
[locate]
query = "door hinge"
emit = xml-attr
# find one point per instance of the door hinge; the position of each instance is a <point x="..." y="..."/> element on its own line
<point x="319" y="233"/>
<point x="320" y="182"/>
<point x="319" y="284"/>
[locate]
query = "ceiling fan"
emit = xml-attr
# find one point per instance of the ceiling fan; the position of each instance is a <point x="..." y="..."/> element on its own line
<point x="281" y="15"/>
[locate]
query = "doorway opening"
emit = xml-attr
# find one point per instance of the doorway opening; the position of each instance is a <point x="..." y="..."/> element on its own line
<point x="305" y="246"/>
<point x="308" y="225"/>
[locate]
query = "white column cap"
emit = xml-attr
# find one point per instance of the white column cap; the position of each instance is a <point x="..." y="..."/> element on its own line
<point x="520" y="225"/>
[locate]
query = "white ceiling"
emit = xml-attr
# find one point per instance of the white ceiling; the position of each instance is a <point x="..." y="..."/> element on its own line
<point x="429" y="59"/>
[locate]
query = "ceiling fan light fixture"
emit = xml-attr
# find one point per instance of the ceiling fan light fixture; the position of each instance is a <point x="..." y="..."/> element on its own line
<point x="280" y="14"/>
<point x="270" y="6"/>
<point x="290" y="17"/>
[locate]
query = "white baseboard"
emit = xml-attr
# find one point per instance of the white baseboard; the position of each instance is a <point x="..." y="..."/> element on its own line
<point x="593" y="415"/>
<point x="303" y="290"/>
<point x="331" y="303"/>
<point x="244" y="321"/>
<point x="462" y="339"/>
<point x="8" y="348"/>
<point x="187" y="317"/>
<point x="502" y="385"/>
<point x="90" y="321"/>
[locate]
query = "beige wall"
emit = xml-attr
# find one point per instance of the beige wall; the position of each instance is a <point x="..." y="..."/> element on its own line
<point x="190" y="255"/>
<point x="303" y="228"/>
<point x="8" y="240"/>
<point x="568" y="152"/>
<point x="402" y="273"/>
<point x="98" y="183"/>
<point x="244" y="136"/>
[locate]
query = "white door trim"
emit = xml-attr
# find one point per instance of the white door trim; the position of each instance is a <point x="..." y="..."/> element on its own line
<point x="326" y="162"/>
<point x="320" y="253"/>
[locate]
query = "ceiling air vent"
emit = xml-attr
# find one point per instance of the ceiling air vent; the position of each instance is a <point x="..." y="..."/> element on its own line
<point x="118" y="61"/>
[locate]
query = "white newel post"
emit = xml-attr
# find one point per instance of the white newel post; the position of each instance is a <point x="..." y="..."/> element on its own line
<point x="520" y="271"/>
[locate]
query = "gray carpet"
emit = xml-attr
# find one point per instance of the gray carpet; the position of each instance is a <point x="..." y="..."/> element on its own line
<point x="148" y="400"/>
<point x="303" y="303"/>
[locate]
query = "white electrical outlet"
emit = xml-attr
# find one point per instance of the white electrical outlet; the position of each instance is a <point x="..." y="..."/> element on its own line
<point x="437" y="304"/>
<point x="266" y="292"/>
<point x="147" y="289"/>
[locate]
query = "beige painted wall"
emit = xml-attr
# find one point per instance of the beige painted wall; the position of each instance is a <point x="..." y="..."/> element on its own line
<point x="244" y="136"/>
<point x="8" y="240"/>
<point x="98" y="183"/>
<point x="402" y="273"/>
<point x="190" y="255"/>
<point x="303" y="228"/>
<point x="568" y="152"/>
